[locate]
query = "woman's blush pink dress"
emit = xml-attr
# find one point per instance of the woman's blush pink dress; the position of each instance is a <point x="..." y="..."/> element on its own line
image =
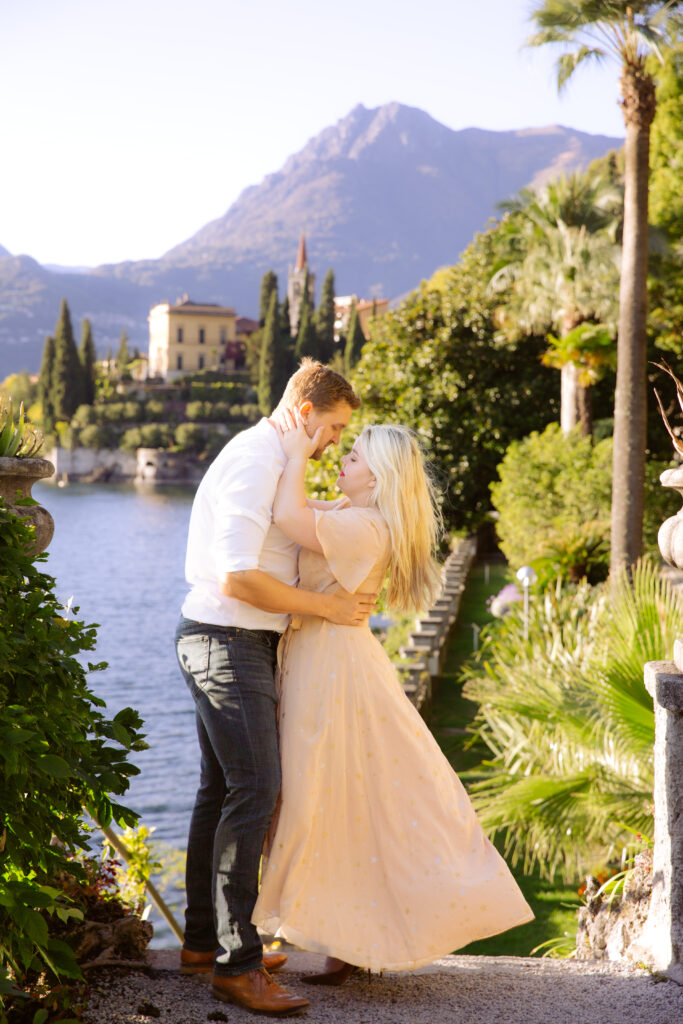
<point x="376" y="855"/>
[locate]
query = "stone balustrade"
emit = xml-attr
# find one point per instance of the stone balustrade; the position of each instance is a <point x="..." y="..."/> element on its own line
<point x="424" y="654"/>
<point x="661" y="944"/>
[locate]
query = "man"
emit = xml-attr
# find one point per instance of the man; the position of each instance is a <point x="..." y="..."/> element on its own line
<point x="242" y="572"/>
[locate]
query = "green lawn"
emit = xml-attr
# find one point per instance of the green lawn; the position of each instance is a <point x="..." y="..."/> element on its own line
<point x="451" y="714"/>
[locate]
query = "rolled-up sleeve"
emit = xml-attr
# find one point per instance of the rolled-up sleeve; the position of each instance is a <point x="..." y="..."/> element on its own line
<point x="243" y="514"/>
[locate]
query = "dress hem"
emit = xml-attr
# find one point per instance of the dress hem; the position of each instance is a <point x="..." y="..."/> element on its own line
<point x="283" y="931"/>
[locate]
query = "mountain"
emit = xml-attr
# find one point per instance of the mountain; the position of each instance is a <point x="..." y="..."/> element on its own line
<point x="385" y="196"/>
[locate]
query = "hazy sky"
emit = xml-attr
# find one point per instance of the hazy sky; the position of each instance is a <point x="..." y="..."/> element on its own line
<point x="128" y="125"/>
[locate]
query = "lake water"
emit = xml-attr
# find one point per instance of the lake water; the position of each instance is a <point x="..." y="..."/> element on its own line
<point x="119" y="550"/>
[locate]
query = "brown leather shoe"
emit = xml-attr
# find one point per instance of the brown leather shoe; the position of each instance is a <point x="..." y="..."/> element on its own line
<point x="196" y="963"/>
<point x="257" y="991"/>
<point x="274" y="961"/>
<point x="336" y="973"/>
<point x="202" y="963"/>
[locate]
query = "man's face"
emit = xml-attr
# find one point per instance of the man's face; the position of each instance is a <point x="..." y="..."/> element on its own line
<point x="332" y="421"/>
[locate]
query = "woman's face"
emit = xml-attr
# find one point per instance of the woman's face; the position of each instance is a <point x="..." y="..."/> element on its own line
<point x="356" y="480"/>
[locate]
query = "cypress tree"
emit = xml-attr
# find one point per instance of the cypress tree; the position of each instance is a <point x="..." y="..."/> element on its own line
<point x="324" y="319"/>
<point x="88" y="358"/>
<point x="268" y="286"/>
<point x="67" y="376"/>
<point x="355" y="339"/>
<point x="307" y="338"/>
<point x="45" y="381"/>
<point x="285" y="325"/>
<point x="269" y="363"/>
<point x="123" y="354"/>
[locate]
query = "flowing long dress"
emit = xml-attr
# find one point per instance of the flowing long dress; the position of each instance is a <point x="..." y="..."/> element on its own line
<point x="376" y="855"/>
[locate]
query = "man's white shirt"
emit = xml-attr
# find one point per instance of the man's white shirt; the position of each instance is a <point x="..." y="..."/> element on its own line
<point x="231" y="530"/>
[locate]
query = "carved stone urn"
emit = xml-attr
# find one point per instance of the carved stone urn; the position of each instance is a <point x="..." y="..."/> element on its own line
<point x="17" y="477"/>
<point x="670" y="536"/>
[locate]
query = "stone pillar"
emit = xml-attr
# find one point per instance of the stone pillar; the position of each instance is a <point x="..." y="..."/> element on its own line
<point x="662" y="942"/>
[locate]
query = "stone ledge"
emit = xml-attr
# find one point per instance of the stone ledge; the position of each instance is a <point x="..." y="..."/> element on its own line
<point x="664" y="683"/>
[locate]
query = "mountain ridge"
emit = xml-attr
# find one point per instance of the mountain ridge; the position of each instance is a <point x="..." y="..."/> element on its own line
<point x="385" y="196"/>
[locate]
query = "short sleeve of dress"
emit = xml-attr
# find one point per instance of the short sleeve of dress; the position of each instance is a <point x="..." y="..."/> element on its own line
<point x="353" y="540"/>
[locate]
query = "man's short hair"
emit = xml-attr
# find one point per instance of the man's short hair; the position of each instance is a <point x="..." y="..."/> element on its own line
<point x="320" y="385"/>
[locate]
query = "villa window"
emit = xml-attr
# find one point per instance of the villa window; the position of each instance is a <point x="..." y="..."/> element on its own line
<point x="201" y="336"/>
<point x="201" y="362"/>
<point x="180" y="336"/>
<point x="224" y="335"/>
<point x="179" y="362"/>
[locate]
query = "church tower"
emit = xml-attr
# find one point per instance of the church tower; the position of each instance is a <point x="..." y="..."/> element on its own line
<point x="296" y="281"/>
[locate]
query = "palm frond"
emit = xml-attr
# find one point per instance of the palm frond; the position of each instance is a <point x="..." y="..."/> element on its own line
<point x="568" y="722"/>
<point x="652" y="39"/>
<point x="567" y="63"/>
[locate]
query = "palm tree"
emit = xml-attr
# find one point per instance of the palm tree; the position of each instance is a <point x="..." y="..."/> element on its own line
<point x="588" y="351"/>
<point x="626" y="31"/>
<point x="561" y="273"/>
<point x="569" y="723"/>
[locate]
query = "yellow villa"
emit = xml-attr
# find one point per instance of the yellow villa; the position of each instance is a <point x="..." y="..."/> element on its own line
<point x="191" y="336"/>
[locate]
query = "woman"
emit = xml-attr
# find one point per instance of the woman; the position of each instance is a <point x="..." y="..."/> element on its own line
<point x="376" y="857"/>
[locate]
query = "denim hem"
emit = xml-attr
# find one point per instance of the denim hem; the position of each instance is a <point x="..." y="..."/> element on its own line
<point x="224" y="971"/>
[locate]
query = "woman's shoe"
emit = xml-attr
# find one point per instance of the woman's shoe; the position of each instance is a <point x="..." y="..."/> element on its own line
<point x="335" y="976"/>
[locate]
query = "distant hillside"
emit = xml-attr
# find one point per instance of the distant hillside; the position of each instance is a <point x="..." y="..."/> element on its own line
<point x="385" y="196"/>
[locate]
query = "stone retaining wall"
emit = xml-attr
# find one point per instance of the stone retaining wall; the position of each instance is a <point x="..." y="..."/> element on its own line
<point x="101" y="465"/>
<point x="79" y="463"/>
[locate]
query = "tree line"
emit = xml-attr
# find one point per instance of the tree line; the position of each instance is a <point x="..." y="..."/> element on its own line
<point x="68" y="373"/>
<point x="275" y="350"/>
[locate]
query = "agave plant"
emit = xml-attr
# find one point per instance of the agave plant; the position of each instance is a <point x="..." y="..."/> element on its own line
<point x="568" y="721"/>
<point x="17" y="439"/>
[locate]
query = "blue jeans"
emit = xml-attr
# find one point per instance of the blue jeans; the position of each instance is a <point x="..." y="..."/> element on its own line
<point x="230" y="673"/>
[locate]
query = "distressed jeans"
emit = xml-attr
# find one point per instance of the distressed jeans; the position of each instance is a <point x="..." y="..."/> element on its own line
<point x="230" y="673"/>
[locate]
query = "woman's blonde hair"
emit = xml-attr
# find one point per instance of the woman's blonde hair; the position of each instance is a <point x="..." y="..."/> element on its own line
<point x="405" y="496"/>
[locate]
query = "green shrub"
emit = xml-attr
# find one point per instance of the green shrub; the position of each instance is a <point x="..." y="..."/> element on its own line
<point x="84" y="416"/>
<point x="226" y="391"/>
<point x="154" y="410"/>
<point x="220" y="412"/>
<point x="132" y="411"/>
<point x="131" y="440"/>
<point x="198" y="411"/>
<point x="552" y="487"/>
<point x="113" y="412"/>
<point x="155" y="435"/>
<point x="553" y="497"/>
<point x="59" y="753"/>
<point x="94" y="436"/>
<point x="251" y="413"/>
<point x="190" y="437"/>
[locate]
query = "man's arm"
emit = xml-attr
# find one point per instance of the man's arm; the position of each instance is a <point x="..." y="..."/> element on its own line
<point x="270" y="595"/>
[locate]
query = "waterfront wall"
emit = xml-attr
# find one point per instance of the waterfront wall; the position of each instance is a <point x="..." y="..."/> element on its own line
<point x="81" y="463"/>
<point x="153" y="465"/>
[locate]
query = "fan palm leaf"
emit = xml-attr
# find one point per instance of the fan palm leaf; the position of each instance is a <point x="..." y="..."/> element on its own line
<point x="568" y="722"/>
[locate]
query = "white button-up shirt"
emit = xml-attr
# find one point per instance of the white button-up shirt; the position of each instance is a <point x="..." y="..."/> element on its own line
<point x="231" y="530"/>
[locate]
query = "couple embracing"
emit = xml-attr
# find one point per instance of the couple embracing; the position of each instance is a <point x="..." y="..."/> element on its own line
<point x="311" y="755"/>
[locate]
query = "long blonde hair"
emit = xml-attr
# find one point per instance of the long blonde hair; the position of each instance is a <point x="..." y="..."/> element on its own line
<point x="405" y="496"/>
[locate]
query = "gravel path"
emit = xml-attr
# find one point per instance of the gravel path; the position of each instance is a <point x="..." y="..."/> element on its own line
<point x="455" y="990"/>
